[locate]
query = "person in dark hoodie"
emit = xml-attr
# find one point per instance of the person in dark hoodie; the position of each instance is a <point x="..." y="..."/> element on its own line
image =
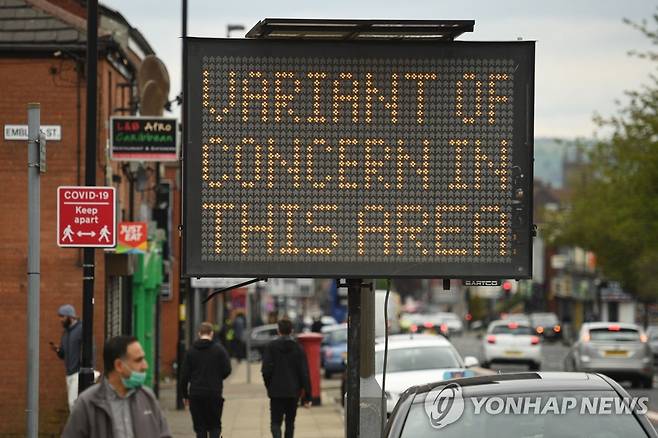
<point x="285" y="373"/>
<point x="205" y="367"/>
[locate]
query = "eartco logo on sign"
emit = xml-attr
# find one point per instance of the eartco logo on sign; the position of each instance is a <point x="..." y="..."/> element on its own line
<point x="444" y="405"/>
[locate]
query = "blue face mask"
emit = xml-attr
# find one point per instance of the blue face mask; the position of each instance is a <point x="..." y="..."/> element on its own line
<point x="135" y="380"/>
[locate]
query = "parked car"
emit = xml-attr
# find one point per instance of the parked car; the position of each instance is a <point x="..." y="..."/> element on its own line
<point x="511" y="342"/>
<point x="417" y="359"/>
<point x="411" y="417"/>
<point x="259" y="338"/>
<point x="333" y="350"/>
<point x="546" y="325"/>
<point x="618" y="350"/>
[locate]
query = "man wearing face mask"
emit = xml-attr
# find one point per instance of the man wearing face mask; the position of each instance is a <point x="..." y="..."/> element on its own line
<point x="118" y="406"/>
<point x="70" y="349"/>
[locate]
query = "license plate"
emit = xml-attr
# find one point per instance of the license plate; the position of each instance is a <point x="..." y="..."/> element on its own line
<point x="513" y="353"/>
<point x="457" y="374"/>
<point x="615" y="353"/>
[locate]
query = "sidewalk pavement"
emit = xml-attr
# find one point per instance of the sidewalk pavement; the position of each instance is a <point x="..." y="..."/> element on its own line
<point x="247" y="410"/>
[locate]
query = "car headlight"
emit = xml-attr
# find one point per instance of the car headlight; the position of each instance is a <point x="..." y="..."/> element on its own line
<point x="584" y="358"/>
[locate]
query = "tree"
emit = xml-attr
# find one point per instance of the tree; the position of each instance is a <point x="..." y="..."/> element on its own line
<point x="614" y="209"/>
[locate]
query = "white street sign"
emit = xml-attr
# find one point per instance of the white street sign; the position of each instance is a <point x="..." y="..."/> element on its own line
<point x="19" y="132"/>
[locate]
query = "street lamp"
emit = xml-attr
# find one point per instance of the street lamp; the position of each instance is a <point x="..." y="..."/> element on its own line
<point x="233" y="27"/>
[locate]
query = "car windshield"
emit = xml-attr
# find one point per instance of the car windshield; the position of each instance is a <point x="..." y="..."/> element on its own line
<point x="614" y="334"/>
<point x="545" y="319"/>
<point x="490" y="424"/>
<point x="511" y="329"/>
<point x="416" y="358"/>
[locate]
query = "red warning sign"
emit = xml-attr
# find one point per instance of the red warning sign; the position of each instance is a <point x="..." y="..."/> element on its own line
<point x="86" y="216"/>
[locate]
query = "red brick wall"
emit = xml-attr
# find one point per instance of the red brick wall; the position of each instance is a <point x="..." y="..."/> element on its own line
<point x="52" y="83"/>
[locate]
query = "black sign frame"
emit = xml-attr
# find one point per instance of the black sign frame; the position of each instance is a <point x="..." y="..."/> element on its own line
<point x="521" y="169"/>
<point x="129" y="150"/>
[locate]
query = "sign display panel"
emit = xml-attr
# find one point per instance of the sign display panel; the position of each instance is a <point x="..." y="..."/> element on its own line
<point x="86" y="216"/>
<point x="358" y="159"/>
<point x="134" y="138"/>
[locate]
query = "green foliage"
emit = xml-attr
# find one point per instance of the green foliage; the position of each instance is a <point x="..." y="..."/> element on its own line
<point x="614" y="208"/>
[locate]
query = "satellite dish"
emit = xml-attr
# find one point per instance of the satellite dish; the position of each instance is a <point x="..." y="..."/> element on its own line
<point x="152" y="99"/>
<point x="153" y="83"/>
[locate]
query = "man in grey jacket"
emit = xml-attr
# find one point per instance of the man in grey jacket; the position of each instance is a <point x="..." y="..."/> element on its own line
<point x="118" y="406"/>
<point x="69" y="349"/>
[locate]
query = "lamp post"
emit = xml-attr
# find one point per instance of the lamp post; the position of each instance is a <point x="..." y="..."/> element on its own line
<point x="233" y="27"/>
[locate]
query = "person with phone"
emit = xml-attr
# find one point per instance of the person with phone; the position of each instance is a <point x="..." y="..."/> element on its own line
<point x="70" y="349"/>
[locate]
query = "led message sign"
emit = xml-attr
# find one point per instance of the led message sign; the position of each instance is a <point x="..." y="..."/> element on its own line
<point x="358" y="159"/>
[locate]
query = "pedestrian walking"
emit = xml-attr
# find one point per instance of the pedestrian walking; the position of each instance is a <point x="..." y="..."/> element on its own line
<point x="118" y="406"/>
<point x="205" y="367"/>
<point x="285" y="373"/>
<point x="239" y="341"/>
<point x="70" y="349"/>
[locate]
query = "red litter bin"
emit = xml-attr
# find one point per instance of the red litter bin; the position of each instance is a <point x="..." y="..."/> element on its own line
<point x="311" y="342"/>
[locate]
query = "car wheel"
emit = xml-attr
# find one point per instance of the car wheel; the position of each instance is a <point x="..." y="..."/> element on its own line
<point x="647" y="382"/>
<point x="485" y="365"/>
<point x="327" y="374"/>
<point x="534" y="367"/>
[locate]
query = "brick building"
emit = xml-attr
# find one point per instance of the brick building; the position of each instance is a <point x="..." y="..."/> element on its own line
<point x="42" y="59"/>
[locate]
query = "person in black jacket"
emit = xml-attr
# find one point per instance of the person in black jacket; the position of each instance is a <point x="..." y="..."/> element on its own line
<point x="285" y="373"/>
<point x="205" y="367"/>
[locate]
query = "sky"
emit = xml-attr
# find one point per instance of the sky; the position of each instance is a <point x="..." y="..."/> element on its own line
<point x="582" y="62"/>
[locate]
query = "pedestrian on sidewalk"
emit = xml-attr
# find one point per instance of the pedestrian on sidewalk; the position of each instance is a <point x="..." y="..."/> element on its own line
<point x="205" y="367"/>
<point x="69" y="349"/>
<point x="285" y="373"/>
<point x="118" y="406"/>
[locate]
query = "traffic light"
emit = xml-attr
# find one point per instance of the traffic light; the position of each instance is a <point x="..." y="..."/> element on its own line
<point x="507" y="288"/>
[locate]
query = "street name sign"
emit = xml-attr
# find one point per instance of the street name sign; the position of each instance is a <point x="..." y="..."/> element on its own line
<point x="358" y="159"/>
<point x="86" y="217"/>
<point x="19" y="132"/>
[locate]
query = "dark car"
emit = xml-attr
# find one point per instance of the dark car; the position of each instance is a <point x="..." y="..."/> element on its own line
<point x="546" y="325"/>
<point x="547" y="405"/>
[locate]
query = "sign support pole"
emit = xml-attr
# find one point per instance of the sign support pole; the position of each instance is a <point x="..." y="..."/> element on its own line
<point x="86" y="377"/>
<point x="182" y="281"/>
<point x="33" y="269"/>
<point x="353" y="357"/>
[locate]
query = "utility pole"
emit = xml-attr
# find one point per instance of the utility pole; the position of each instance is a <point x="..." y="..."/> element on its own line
<point x="370" y="415"/>
<point x="86" y="377"/>
<point x="182" y="281"/>
<point x="352" y="406"/>
<point x="33" y="267"/>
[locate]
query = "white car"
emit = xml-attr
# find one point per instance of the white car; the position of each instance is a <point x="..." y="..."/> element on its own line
<point x="511" y="342"/>
<point x="454" y="323"/>
<point x="416" y="360"/>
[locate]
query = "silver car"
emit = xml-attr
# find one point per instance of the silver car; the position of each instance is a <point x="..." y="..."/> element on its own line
<point x="618" y="350"/>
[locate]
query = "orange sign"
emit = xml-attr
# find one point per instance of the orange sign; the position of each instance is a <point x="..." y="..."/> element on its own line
<point x="132" y="238"/>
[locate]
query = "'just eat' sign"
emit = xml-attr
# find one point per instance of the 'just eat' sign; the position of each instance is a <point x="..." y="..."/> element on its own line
<point x="358" y="159"/>
<point x="86" y="216"/>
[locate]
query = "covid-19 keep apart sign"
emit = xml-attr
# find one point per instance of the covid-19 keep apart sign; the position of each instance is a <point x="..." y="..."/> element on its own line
<point x="358" y="159"/>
